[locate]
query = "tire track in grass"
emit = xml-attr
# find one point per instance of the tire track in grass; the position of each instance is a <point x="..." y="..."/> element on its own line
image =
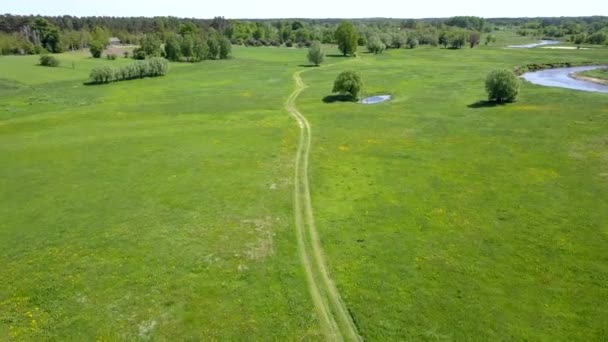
<point x="336" y="321"/>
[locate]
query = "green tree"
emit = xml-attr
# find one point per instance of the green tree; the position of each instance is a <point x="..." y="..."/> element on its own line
<point x="96" y="48"/>
<point x="346" y="37"/>
<point x="457" y="39"/>
<point x="213" y="47"/>
<point x="502" y="86"/>
<point x="375" y="45"/>
<point x="200" y="49"/>
<point x="316" y="55"/>
<point x="173" y="50"/>
<point x="412" y="41"/>
<point x="186" y="47"/>
<point x="490" y="38"/>
<point x="48" y="34"/>
<point x="151" y="45"/>
<point x="444" y="39"/>
<point x="474" y="38"/>
<point x="348" y="82"/>
<point x="225" y="47"/>
<point x="398" y="39"/>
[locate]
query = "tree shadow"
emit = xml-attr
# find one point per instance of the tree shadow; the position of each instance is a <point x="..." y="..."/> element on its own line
<point x="336" y="55"/>
<point x="485" y="104"/>
<point x="338" y="98"/>
<point x="308" y="66"/>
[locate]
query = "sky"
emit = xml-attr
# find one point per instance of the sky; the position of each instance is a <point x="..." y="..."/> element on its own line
<point x="235" y="9"/>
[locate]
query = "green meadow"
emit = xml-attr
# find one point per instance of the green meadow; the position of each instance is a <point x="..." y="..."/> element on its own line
<point x="163" y="208"/>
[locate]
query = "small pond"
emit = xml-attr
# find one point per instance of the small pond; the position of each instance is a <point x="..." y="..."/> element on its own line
<point x="376" y="99"/>
<point x="533" y="45"/>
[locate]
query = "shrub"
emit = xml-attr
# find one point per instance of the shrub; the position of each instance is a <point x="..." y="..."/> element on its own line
<point x="102" y="74"/>
<point x="316" y="55"/>
<point x="126" y="54"/>
<point x="348" y="82"/>
<point x="111" y="57"/>
<point x="49" y="61"/>
<point x="139" y="54"/>
<point x="289" y="43"/>
<point x="502" y="86"/>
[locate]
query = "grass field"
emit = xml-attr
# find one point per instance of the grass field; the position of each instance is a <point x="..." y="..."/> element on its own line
<point x="163" y="208"/>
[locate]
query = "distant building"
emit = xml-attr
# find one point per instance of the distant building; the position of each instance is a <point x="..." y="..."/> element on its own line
<point x="114" y="41"/>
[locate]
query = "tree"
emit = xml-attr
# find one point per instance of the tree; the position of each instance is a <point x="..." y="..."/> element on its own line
<point x="444" y="39"/>
<point x="48" y="35"/>
<point x="151" y="45"/>
<point x="346" y="37"/>
<point x="348" y="82"/>
<point x="398" y="40"/>
<point x="225" y="47"/>
<point x="316" y="55"/>
<point x="200" y="49"/>
<point x="490" y="38"/>
<point x="96" y="48"/>
<point x="173" y="50"/>
<point x="597" y="38"/>
<point x="457" y="40"/>
<point x="412" y="42"/>
<point x="375" y="45"/>
<point x="474" y="39"/>
<point x="186" y="47"/>
<point x="213" y="47"/>
<point x="502" y="86"/>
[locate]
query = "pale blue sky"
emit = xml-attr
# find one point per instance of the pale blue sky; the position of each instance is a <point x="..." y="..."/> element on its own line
<point x="307" y="8"/>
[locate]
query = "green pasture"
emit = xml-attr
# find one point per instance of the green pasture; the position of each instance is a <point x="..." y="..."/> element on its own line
<point x="162" y="208"/>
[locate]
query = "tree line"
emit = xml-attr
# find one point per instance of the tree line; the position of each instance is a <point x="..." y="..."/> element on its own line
<point x="33" y="34"/>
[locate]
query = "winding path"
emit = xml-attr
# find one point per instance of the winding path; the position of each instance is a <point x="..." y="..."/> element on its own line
<point x="335" y="319"/>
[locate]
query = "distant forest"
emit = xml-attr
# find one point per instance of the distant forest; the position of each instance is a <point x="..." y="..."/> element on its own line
<point x="38" y="34"/>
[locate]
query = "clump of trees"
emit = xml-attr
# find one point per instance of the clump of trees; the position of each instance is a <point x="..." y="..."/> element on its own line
<point x="348" y="83"/>
<point x="347" y="38"/>
<point x="152" y="67"/>
<point x="316" y="54"/>
<point x="502" y="86"/>
<point x="49" y="61"/>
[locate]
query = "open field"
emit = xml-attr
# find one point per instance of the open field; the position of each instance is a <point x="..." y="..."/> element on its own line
<point x="163" y="208"/>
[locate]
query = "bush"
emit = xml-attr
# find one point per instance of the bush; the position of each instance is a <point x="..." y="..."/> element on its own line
<point x="126" y="54"/>
<point x="96" y="48"/>
<point x="502" y="86"/>
<point x="316" y="55"/>
<point x="111" y="57"/>
<point x="153" y="67"/>
<point x="102" y="74"/>
<point x="49" y="61"/>
<point x="139" y="54"/>
<point x="348" y="82"/>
